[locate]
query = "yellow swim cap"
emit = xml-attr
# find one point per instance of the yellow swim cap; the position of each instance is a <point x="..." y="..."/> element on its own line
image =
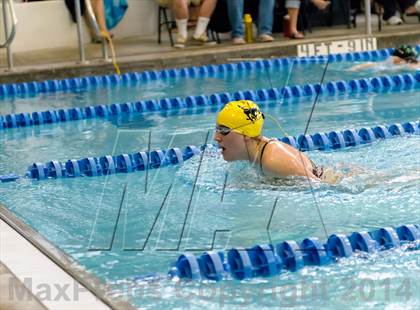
<point x="243" y="117"/>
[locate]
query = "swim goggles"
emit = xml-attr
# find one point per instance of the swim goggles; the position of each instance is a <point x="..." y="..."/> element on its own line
<point x="223" y="130"/>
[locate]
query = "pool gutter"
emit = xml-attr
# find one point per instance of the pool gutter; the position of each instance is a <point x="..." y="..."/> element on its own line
<point x="45" y="269"/>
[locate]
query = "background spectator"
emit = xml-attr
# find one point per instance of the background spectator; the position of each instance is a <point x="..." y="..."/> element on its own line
<point x="293" y="12"/>
<point x="180" y="10"/>
<point x="390" y="10"/>
<point x="265" y="20"/>
<point x="108" y="14"/>
<point x="99" y="11"/>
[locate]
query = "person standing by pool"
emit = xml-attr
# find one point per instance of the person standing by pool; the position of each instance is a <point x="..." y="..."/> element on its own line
<point x="238" y="132"/>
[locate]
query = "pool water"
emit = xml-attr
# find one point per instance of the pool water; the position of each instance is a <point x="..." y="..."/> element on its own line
<point x="171" y="209"/>
<point x="96" y="137"/>
<point x="298" y="74"/>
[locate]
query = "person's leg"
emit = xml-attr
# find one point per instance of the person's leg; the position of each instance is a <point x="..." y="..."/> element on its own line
<point x="321" y="4"/>
<point x="99" y="10"/>
<point x="206" y="10"/>
<point x="293" y="12"/>
<point x="236" y="11"/>
<point x="180" y="9"/>
<point x="407" y="6"/>
<point x="390" y="8"/>
<point x="265" y="17"/>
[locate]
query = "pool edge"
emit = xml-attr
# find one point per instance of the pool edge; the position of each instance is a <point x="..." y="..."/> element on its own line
<point x="64" y="262"/>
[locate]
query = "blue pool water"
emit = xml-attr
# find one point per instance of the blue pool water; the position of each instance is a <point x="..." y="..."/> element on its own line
<point x="380" y="188"/>
<point x="298" y="74"/>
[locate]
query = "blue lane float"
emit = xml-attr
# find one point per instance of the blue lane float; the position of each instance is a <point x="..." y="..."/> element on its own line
<point x="125" y="163"/>
<point x="188" y="72"/>
<point x="350" y="137"/>
<point x="267" y="260"/>
<point x="332" y="88"/>
<point x="107" y="165"/>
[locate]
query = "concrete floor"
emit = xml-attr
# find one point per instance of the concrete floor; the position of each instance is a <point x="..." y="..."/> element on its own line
<point x="143" y="53"/>
<point x="14" y="295"/>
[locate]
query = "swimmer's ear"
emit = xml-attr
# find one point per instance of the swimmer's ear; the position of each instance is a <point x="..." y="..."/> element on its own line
<point x="263" y="116"/>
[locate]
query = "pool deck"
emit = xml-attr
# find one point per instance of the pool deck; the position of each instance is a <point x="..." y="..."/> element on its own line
<point x="34" y="274"/>
<point x="143" y="53"/>
<point x="6" y="291"/>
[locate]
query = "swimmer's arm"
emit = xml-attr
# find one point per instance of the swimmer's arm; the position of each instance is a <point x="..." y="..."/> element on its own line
<point x="362" y="66"/>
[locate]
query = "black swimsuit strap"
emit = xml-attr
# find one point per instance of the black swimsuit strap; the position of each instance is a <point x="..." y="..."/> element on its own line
<point x="262" y="151"/>
<point x="317" y="171"/>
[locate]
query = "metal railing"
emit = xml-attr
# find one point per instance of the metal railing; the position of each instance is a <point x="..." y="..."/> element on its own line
<point x="94" y="24"/>
<point x="9" y="36"/>
<point x="368" y="17"/>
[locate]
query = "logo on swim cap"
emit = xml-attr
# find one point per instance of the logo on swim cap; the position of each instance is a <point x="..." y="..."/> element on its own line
<point x="243" y="117"/>
<point x="251" y="114"/>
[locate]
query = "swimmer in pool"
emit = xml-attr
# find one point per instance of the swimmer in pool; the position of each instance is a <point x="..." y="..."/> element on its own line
<point x="238" y="133"/>
<point x="405" y="55"/>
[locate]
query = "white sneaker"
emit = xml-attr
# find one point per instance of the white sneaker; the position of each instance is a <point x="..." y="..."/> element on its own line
<point x="204" y="40"/>
<point x="265" y="38"/>
<point x="394" y="20"/>
<point x="238" y="41"/>
<point x="180" y="41"/>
